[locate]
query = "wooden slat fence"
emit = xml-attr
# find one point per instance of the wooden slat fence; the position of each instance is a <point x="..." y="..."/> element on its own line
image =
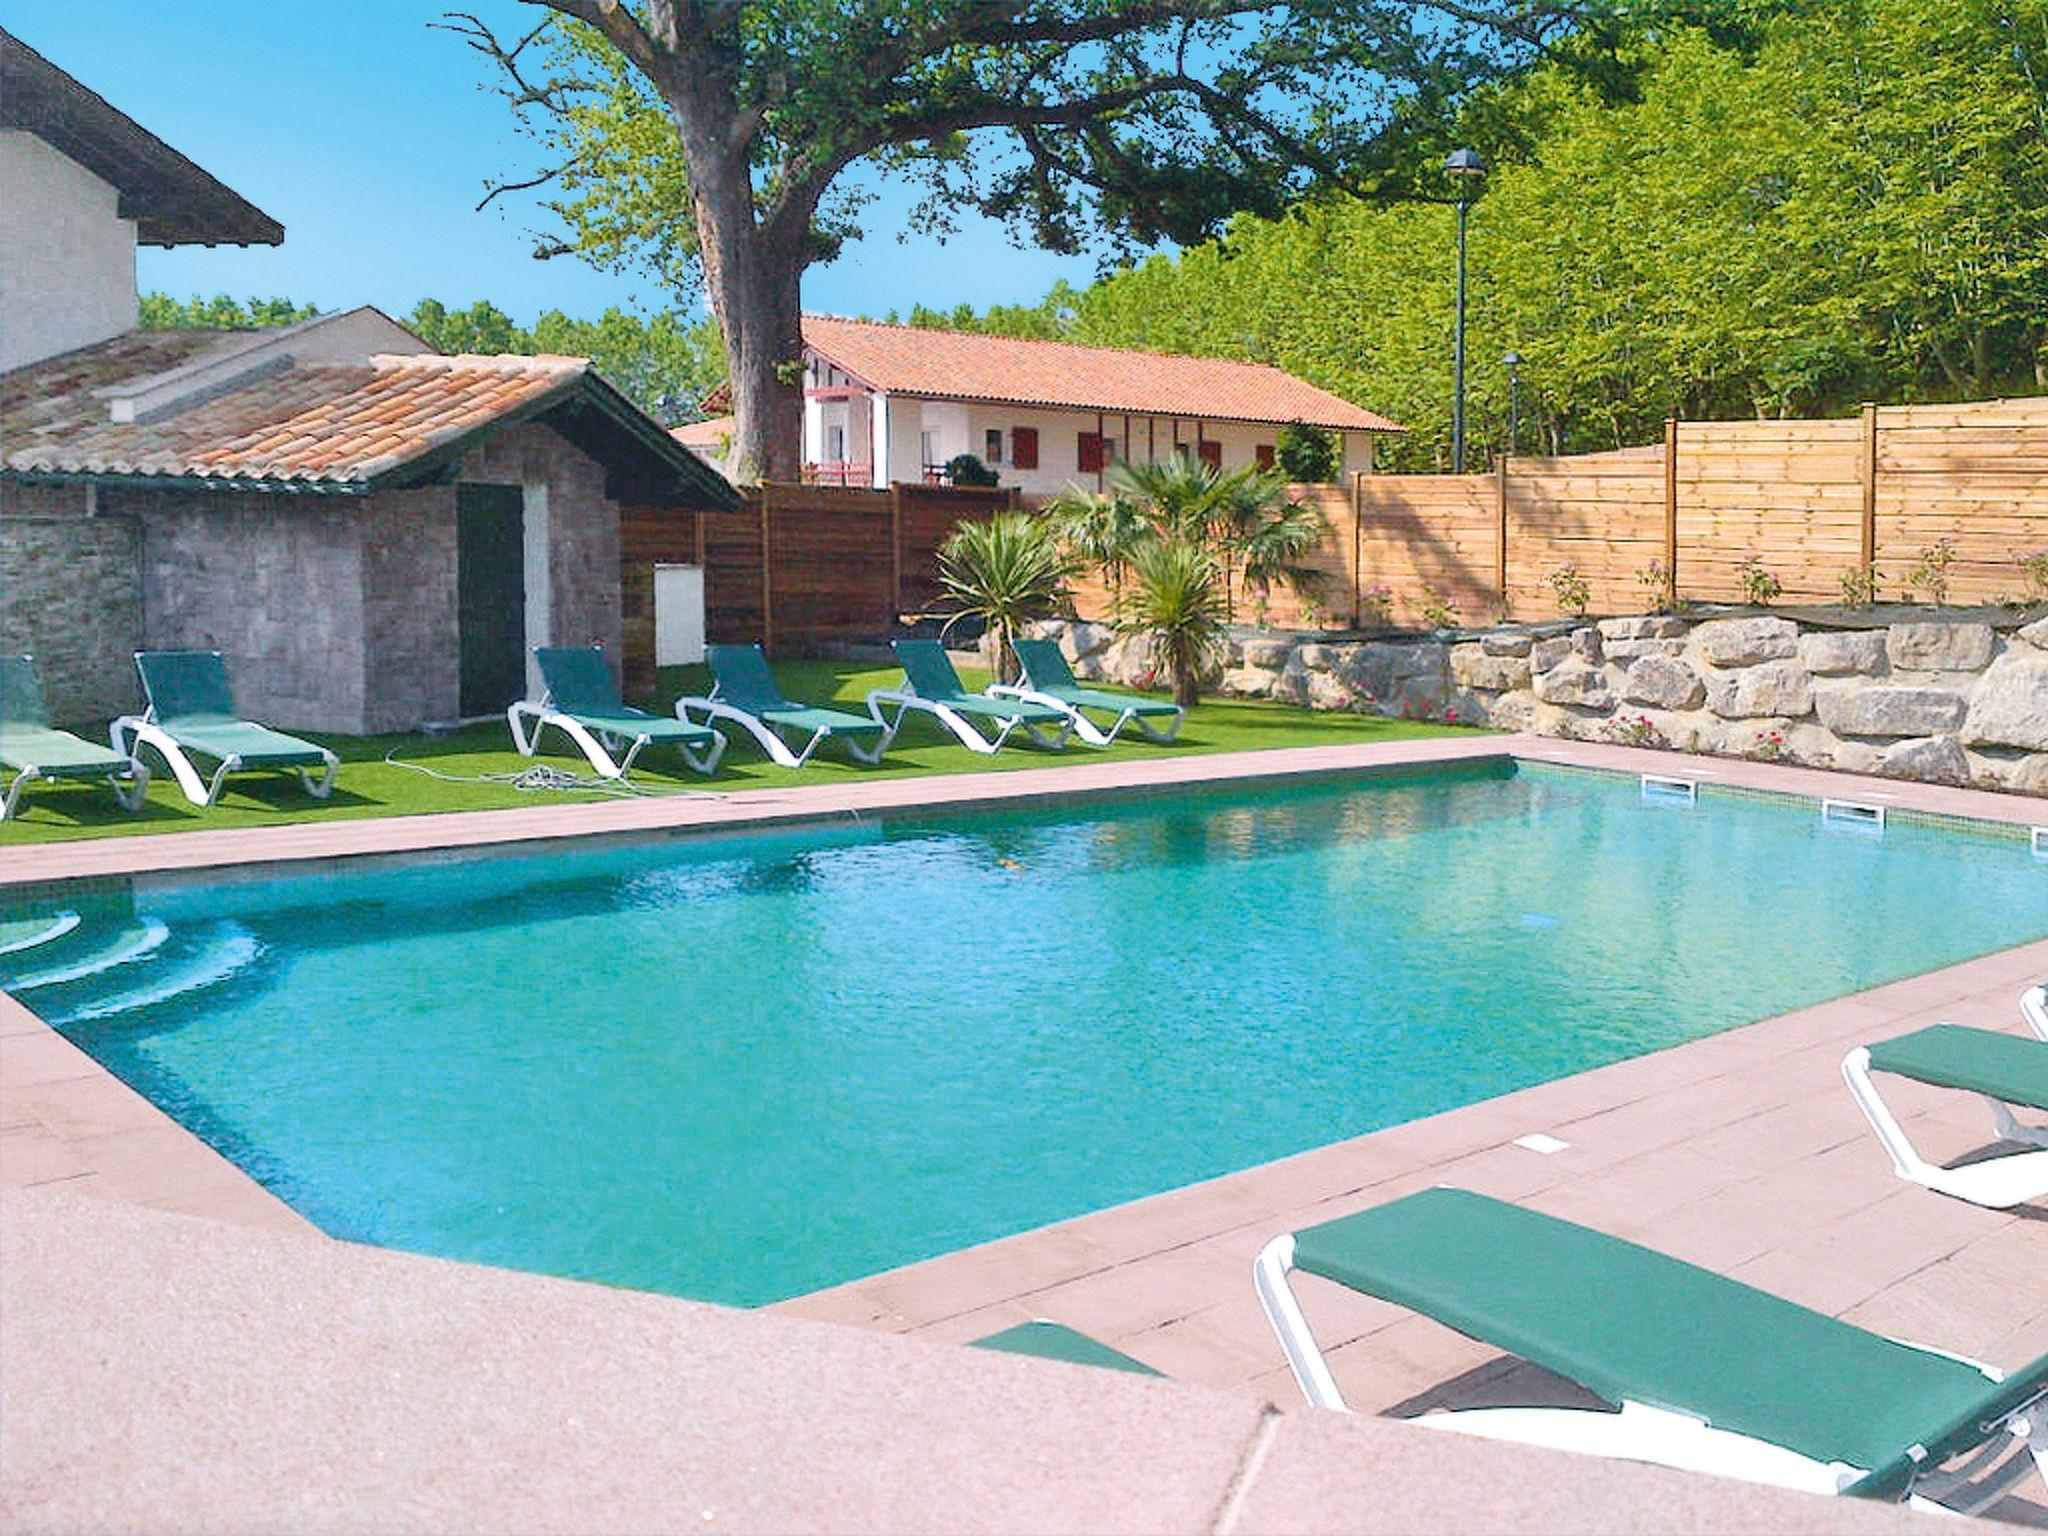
<point x="798" y="566"/>
<point x="1812" y="500"/>
<point x="805" y="565"/>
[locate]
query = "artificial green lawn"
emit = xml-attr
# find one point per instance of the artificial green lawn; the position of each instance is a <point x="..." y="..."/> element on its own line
<point x="369" y="786"/>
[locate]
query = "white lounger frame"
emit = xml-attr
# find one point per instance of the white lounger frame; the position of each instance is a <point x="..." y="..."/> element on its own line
<point x="129" y="794"/>
<point x="962" y="728"/>
<point x="1641" y="1432"/>
<point x="599" y="748"/>
<point x="1997" y="1182"/>
<point x="1083" y="727"/>
<point x="143" y="730"/>
<point x="772" y="743"/>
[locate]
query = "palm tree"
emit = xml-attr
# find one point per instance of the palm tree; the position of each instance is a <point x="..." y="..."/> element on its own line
<point x="1101" y="531"/>
<point x="1176" y="599"/>
<point x="1005" y="571"/>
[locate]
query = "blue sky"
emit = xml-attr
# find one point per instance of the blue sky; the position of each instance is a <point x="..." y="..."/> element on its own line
<point x="366" y="134"/>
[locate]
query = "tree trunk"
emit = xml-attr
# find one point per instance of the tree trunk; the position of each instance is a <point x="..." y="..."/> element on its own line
<point x="762" y="316"/>
<point x="753" y="271"/>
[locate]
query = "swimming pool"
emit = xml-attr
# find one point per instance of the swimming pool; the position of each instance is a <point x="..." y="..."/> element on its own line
<point x="739" y="1068"/>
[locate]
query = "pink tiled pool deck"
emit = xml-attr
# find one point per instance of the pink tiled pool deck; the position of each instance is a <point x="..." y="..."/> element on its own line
<point x="1741" y="1151"/>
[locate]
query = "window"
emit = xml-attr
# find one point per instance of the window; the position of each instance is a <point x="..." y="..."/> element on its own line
<point x="992" y="446"/>
<point x="1024" y="447"/>
<point x="1088" y="453"/>
<point x="835" y="443"/>
<point x="1211" y="454"/>
<point x="1263" y="455"/>
<point x="927" y="447"/>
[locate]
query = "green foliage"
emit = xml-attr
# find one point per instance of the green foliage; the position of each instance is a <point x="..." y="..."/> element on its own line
<point x="1244" y="517"/>
<point x="1810" y="206"/>
<point x="161" y="312"/>
<point x="1176" y="601"/>
<point x="1860" y="585"/>
<point x="1006" y="571"/>
<point x="1573" y="592"/>
<point x="666" y="364"/>
<point x="966" y="469"/>
<point x="1930" y="571"/>
<point x="1760" y="584"/>
<point x="1307" y="455"/>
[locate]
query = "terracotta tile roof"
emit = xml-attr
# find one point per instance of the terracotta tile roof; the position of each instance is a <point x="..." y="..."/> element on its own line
<point x="708" y="435"/>
<point x="323" y="425"/>
<point x="964" y="365"/>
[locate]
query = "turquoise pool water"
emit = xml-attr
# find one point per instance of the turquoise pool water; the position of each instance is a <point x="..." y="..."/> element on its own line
<point x="744" y="1068"/>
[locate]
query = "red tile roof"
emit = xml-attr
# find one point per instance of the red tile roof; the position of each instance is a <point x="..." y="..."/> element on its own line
<point x="966" y="365"/>
<point x="324" y="425"/>
<point x="709" y="435"/>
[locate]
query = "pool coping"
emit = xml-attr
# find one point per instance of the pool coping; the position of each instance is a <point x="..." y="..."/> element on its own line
<point x="116" y="858"/>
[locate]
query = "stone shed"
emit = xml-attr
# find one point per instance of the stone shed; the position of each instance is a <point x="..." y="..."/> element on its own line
<point x="373" y="533"/>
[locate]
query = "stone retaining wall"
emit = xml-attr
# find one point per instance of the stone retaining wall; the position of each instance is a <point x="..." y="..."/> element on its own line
<point x="1948" y="700"/>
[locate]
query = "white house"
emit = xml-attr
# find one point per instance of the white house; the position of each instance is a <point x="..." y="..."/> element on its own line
<point x="885" y="403"/>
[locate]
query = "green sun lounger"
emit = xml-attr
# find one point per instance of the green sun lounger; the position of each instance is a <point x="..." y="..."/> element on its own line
<point x="1055" y="1341"/>
<point x="744" y="691"/>
<point x="931" y="686"/>
<point x="581" y="700"/>
<point x="192" y="714"/>
<point x="1709" y="1374"/>
<point x="2008" y="1071"/>
<point x="36" y="750"/>
<point x="1048" y="680"/>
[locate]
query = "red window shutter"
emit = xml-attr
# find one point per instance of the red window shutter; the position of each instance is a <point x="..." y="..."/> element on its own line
<point x="1211" y="453"/>
<point x="1088" y="453"/>
<point x="1264" y="455"/>
<point x="1024" y="447"/>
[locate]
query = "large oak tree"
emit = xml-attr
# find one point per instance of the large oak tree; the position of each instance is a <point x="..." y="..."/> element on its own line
<point x="709" y="139"/>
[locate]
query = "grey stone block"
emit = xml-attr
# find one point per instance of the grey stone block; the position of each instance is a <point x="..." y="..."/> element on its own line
<point x="1844" y="653"/>
<point x="1663" y="682"/>
<point x="2009" y="707"/>
<point x="1889" y="711"/>
<point x="1939" y="647"/>
<point x="1745" y="642"/>
<point x="1768" y="688"/>
<point x="1935" y="760"/>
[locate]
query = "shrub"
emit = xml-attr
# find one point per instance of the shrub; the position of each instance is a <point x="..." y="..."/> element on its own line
<point x="1439" y="610"/>
<point x="966" y="469"/>
<point x="1006" y="571"/>
<point x="1659" y="595"/>
<point x="1634" y="731"/>
<point x="1860" y="586"/>
<point x="1307" y="454"/>
<point x="2034" y="567"/>
<point x="1574" y="592"/>
<point x="1175" y="600"/>
<point x="1375" y="606"/>
<point x="1930" y="571"/>
<point x="1759" y="585"/>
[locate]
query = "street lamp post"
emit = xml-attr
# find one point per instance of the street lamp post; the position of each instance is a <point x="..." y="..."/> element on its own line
<point x="1466" y="165"/>
<point x="1513" y="361"/>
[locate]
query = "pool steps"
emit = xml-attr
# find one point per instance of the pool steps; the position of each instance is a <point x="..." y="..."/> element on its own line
<point x="130" y="945"/>
<point x="225" y="953"/>
<point x="77" y="963"/>
<point x="52" y="931"/>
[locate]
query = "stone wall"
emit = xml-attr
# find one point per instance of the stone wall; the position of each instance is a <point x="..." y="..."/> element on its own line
<point x="411" y="647"/>
<point x="71" y="594"/>
<point x="272" y="582"/>
<point x="1946" y="699"/>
